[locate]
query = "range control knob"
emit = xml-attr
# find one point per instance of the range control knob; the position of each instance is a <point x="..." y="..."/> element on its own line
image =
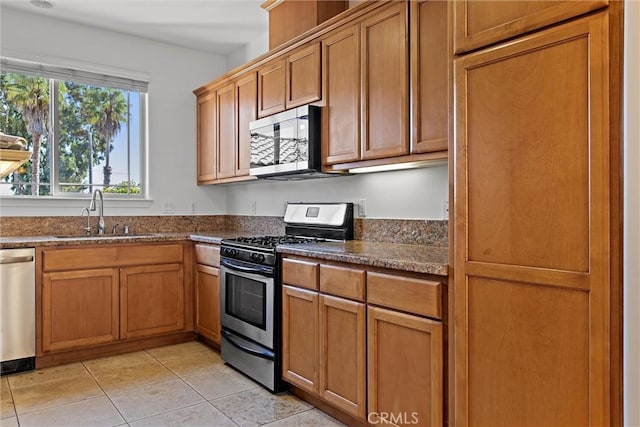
<point x="229" y="252"/>
<point x="259" y="258"/>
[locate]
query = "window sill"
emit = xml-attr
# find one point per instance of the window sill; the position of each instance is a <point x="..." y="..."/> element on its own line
<point x="70" y="202"/>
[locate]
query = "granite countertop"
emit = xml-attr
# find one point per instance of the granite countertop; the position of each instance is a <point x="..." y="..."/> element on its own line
<point x="214" y="237"/>
<point x="416" y="258"/>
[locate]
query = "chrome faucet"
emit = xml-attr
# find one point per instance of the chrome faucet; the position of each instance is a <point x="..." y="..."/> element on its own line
<point x="87" y="229"/>
<point x="92" y="207"/>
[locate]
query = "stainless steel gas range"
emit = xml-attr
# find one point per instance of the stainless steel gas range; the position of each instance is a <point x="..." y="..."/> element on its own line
<point x="250" y="288"/>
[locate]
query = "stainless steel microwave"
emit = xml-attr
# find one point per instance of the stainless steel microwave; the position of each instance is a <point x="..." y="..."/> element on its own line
<point x="287" y="145"/>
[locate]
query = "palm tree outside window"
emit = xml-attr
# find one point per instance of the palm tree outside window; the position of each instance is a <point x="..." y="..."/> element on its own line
<point x="86" y="131"/>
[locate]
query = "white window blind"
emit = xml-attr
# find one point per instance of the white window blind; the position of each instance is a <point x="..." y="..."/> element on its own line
<point x="11" y="65"/>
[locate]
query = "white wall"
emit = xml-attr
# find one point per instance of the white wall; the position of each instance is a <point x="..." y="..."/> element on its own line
<point x="249" y="52"/>
<point x="632" y="216"/>
<point x="408" y="194"/>
<point x="173" y="71"/>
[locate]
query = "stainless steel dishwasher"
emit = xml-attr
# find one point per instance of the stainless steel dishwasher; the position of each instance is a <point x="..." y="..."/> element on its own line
<point x="18" y="310"/>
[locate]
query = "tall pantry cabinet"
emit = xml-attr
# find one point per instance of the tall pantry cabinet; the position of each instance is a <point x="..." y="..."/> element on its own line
<point x="535" y="301"/>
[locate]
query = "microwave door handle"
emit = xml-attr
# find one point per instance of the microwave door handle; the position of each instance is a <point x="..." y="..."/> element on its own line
<point x="238" y="342"/>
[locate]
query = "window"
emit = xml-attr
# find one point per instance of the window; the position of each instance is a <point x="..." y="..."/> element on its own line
<point x="85" y="130"/>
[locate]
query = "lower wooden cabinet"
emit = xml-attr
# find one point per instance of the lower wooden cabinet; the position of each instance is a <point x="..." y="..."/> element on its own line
<point x="79" y="308"/>
<point x="404" y="369"/>
<point x="342" y="355"/>
<point x="363" y="356"/>
<point x="208" y="302"/>
<point x="151" y="300"/>
<point x="144" y="292"/>
<point x="300" y="338"/>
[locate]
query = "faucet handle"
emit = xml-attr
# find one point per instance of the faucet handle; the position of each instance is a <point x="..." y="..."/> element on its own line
<point x="126" y="230"/>
<point x="87" y="229"/>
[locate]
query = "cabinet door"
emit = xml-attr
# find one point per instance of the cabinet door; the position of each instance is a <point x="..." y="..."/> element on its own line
<point x="208" y="302"/>
<point x="151" y="300"/>
<point x="300" y="338"/>
<point x="385" y="99"/>
<point x="404" y="368"/>
<point x="271" y="88"/>
<point x="480" y="23"/>
<point x="342" y="355"/>
<point x="532" y="230"/>
<point x="247" y="99"/>
<point x="430" y="59"/>
<point x="79" y="308"/>
<point x="341" y="86"/>
<point x="303" y="76"/>
<point x="226" y="130"/>
<point x="206" y="150"/>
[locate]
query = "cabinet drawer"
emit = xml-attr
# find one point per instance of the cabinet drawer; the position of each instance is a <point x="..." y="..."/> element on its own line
<point x="342" y="281"/>
<point x="405" y="293"/>
<point x="208" y="255"/>
<point x="300" y="273"/>
<point x="110" y="256"/>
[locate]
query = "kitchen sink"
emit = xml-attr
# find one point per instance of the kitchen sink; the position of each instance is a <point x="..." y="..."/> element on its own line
<point x="106" y="236"/>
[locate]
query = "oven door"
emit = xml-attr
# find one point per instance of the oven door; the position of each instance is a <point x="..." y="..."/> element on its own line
<point x="247" y="301"/>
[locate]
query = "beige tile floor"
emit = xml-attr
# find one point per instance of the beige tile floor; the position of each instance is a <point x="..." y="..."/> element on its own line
<point x="180" y="385"/>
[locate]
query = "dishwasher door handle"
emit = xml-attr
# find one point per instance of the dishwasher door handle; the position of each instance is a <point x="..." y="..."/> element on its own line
<point x="16" y="259"/>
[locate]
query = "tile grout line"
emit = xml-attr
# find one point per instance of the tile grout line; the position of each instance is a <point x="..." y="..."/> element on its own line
<point x="105" y="393"/>
<point x="196" y="391"/>
<point x="13" y="403"/>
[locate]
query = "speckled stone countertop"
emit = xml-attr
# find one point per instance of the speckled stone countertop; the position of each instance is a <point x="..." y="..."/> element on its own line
<point x="214" y="237"/>
<point x="416" y="258"/>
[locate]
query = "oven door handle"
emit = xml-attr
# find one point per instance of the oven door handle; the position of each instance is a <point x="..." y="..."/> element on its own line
<point x="234" y="266"/>
<point x="239" y="343"/>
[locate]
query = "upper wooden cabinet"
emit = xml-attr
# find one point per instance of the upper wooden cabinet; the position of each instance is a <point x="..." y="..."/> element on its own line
<point x="224" y="140"/>
<point x="481" y="23"/>
<point x="385" y="62"/>
<point x="206" y="144"/>
<point x="226" y="130"/>
<point x="303" y="76"/>
<point x="287" y="82"/>
<point x="533" y="229"/>
<point x="368" y="71"/>
<point x="246" y="112"/>
<point x="341" y="86"/>
<point x="430" y="65"/>
<point x="271" y="87"/>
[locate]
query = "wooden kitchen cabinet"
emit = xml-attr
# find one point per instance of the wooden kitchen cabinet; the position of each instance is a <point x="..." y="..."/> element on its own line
<point x="303" y="76"/>
<point x="271" y="87"/>
<point x="405" y="373"/>
<point x="290" y="81"/>
<point x="206" y="142"/>
<point x="342" y="370"/>
<point x="95" y="300"/>
<point x="326" y="332"/>
<point x="207" y="291"/>
<point x="300" y="338"/>
<point x="226" y="131"/>
<point x="151" y="300"/>
<point x="481" y="23"/>
<point x="533" y="225"/>
<point x="79" y="308"/>
<point x="385" y="89"/>
<point x="341" y="86"/>
<point x="246" y="112"/>
<point x="430" y="65"/>
<point x="224" y="140"/>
